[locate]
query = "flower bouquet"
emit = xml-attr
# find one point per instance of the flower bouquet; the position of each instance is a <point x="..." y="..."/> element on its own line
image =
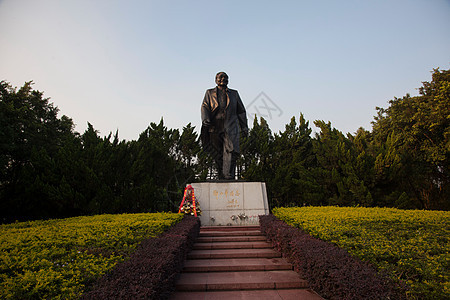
<point x="188" y="208"/>
<point x="190" y="205"/>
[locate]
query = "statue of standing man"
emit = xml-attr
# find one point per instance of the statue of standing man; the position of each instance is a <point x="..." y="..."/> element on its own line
<point x="223" y="118"/>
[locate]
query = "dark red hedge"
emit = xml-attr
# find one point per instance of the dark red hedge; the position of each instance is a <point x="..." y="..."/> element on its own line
<point x="151" y="271"/>
<point x="331" y="271"/>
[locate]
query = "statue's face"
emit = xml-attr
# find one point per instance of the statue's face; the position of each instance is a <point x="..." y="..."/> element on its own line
<point x="222" y="79"/>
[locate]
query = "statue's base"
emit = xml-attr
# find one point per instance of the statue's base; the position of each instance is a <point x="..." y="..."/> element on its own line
<point x="231" y="203"/>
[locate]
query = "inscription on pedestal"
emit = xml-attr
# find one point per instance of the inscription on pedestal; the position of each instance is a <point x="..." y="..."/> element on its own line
<point x="231" y="198"/>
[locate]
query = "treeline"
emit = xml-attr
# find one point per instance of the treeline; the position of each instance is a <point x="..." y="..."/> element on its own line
<point x="403" y="162"/>
<point x="49" y="170"/>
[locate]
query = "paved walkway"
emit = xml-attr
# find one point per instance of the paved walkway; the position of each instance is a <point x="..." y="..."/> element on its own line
<point x="238" y="263"/>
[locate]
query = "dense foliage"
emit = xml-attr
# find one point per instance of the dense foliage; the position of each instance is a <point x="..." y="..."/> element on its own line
<point x="411" y="246"/>
<point x="403" y="162"/>
<point x="151" y="271"/>
<point x="59" y="258"/>
<point x="49" y="170"/>
<point x="331" y="271"/>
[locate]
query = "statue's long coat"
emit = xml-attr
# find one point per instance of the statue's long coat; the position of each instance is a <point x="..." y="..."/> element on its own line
<point x="235" y="118"/>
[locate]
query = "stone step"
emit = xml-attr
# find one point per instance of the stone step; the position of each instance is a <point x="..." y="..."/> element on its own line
<point x="228" y="228"/>
<point x="232" y="245"/>
<point x="248" y="238"/>
<point x="287" y="294"/>
<point x="230" y="233"/>
<point x="216" y="281"/>
<point x="236" y="264"/>
<point x="233" y="253"/>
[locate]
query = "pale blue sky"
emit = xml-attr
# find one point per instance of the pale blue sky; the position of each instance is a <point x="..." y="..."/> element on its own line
<point x="124" y="64"/>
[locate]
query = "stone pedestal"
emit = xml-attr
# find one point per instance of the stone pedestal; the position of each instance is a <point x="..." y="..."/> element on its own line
<point x="231" y="203"/>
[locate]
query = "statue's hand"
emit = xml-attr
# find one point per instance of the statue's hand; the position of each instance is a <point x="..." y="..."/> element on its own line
<point x="207" y="123"/>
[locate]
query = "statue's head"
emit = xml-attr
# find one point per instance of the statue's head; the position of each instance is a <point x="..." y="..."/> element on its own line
<point x="222" y="79"/>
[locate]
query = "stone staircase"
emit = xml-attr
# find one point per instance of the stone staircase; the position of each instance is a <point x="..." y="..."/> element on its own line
<point x="238" y="263"/>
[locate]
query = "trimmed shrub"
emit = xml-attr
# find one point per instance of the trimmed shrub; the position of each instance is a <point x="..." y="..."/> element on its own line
<point x="151" y="271"/>
<point x="331" y="271"/>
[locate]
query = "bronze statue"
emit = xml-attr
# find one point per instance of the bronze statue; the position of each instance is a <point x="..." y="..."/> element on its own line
<point x="223" y="119"/>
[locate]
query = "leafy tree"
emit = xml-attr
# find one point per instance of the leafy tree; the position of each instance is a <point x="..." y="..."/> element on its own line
<point x="342" y="168"/>
<point x="414" y="134"/>
<point x="188" y="146"/>
<point x="293" y="181"/>
<point x="186" y="165"/>
<point x="255" y="164"/>
<point x="31" y="135"/>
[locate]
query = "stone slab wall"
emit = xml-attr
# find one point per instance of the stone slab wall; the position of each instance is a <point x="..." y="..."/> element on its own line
<point x="231" y="203"/>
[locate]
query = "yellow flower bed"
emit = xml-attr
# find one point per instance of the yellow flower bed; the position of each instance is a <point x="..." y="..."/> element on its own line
<point x="411" y="245"/>
<point x="56" y="258"/>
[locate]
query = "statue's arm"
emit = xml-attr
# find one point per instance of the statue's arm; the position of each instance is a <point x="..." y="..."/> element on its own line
<point x="206" y="111"/>
<point x="241" y="114"/>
